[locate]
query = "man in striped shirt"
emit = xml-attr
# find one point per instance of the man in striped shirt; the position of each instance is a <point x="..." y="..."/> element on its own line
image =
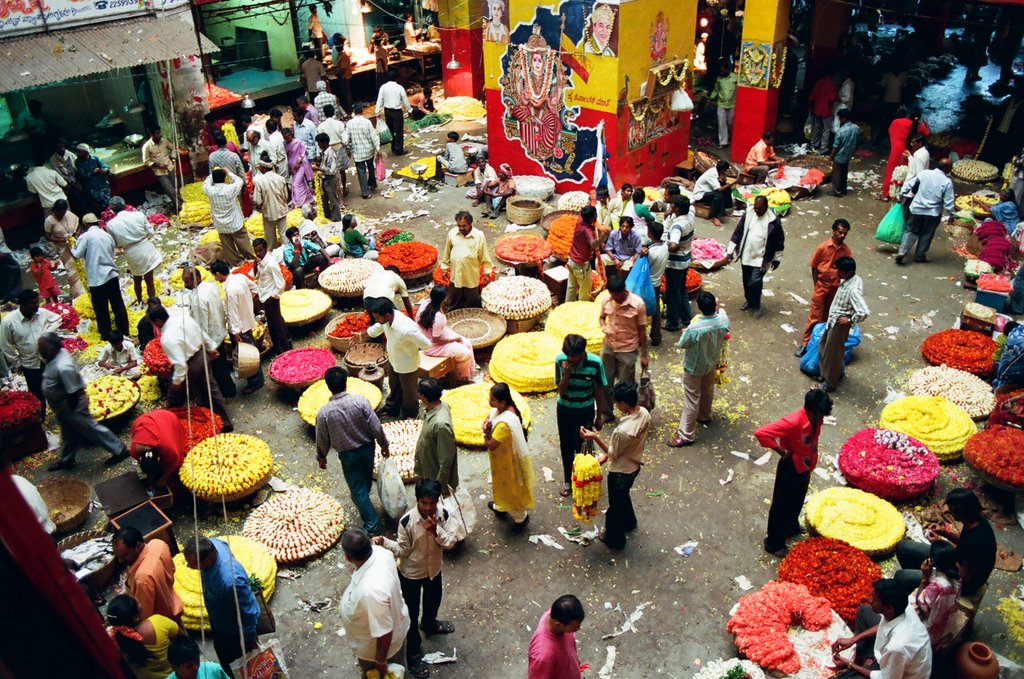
<point x="848" y="309"/>
<point x="581" y="383"/>
<point x="702" y="341"/>
<point x="680" y="236"/>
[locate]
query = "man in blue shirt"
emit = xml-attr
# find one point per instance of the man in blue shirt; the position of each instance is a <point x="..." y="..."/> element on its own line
<point x="302" y="256"/>
<point x="224" y="579"/>
<point x="842" y="151"/>
<point x="623" y="246"/>
<point x="932" y="193"/>
<point x="702" y="341"/>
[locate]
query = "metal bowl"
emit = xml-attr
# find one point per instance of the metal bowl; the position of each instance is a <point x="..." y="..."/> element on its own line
<point x="418" y="168"/>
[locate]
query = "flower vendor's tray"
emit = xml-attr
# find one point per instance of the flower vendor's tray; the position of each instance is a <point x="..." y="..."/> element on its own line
<point x="347" y="277"/>
<point x="342" y="344"/>
<point x="522" y="250"/>
<point x="132" y="396"/>
<point x="481" y="327"/>
<point x="296" y="355"/>
<point x="1006" y="445"/>
<point x="546" y="220"/>
<point x="413" y="259"/>
<point x="296" y="526"/>
<point x="744" y="196"/>
<point x="302" y="307"/>
<point x="242" y="494"/>
<point x="819" y="162"/>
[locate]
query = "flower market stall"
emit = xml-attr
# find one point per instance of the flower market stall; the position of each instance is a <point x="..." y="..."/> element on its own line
<point x="526" y="361"/>
<point x="470" y="406"/>
<point x="861" y="519"/>
<point x="522" y="248"/>
<point x="297" y="525"/>
<point x="890" y="464"/>
<point x="935" y="421"/>
<point x="227" y="466"/>
<point x="581" y="318"/>
<point x="413" y="259"/>
<point x="317" y="395"/>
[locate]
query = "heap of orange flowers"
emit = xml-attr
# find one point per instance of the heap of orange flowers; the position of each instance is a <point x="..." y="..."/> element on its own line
<point x="996" y="452"/>
<point x="961" y="349"/>
<point x="351" y="324"/>
<point x="522" y="248"/>
<point x="693" y="282"/>
<point x="246" y="270"/>
<point x="204" y="424"/>
<point x="412" y="259"/>
<point x="560" y="234"/>
<point x="833" y="569"/>
<point x="442" y="277"/>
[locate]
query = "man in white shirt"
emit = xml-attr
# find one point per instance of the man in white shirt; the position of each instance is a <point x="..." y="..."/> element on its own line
<point x="120" y="357"/>
<point x="20" y="331"/>
<point x="891" y="641"/>
<point x="305" y="131"/>
<point x="239" y="293"/>
<point x="271" y="284"/>
<point x="657" y="259"/>
<point x="757" y="242"/>
<point x="918" y="157"/>
<point x="278" y="154"/>
<point x="680" y="237"/>
<point x="364" y="143"/>
<point x="223" y="188"/>
<point x="404" y="341"/>
<point x="932" y="193"/>
<point x="848" y="309"/>
<point x="483" y="175"/>
<point x="337" y="135"/>
<point x="387" y="284"/>
<point x="373" y="612"/>
<point x="206" y="307"/>
<point x="183" y="343"/>
<point x="133" y="233"/>
<point x="710" y="189"/>
<point x="96" y="247"/>
<point x="270" y="197"/>
<point x="48" y="185"/>
<point x="392" y="105"/>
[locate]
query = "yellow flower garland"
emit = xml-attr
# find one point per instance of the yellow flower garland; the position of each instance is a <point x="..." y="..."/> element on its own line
<point x="298" y="306"/>
<point x="110" y="396"/>
<point x="254" y="558"/>
<point x="935" y="421"/>
<point x="864" y="520"/>
<point x="254" y="225"/>
<point x="193" y="193"/>
<point x="209" y="237"/>
<point x="586" y="487"/>
<point x="526" y="361"/>
<point x="470" y="406"/>
<point x="83" y="306"/>
<point x="580" y="318"/>
<point x="316" y="396"/>
<point x="193" y="212"/>
<point x="225" y="464"/>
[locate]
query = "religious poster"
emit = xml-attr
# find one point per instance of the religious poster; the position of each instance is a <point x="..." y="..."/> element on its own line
<point x="495" y="21"/>
<point x="601" y="35"/>
<point x="659" y="39"/>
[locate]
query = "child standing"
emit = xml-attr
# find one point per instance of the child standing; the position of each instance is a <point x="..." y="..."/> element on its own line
<point x="42" y="269"/>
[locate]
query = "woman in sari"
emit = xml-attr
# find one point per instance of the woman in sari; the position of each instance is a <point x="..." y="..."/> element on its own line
<point x="302" y="172"/>
<point x="143" y="643"/>
<point x="509" y="454"/>
<point x="1010" y="369"/>
<point x="444" y="341"/>
<point x="904" y="128"/>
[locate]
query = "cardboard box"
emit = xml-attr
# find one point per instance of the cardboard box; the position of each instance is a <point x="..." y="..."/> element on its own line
<point x="150" y="521"/>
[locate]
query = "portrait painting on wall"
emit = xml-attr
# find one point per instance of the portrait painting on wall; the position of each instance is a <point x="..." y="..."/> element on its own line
<point x="534" y="90"/>
<point x="601" y="33"/>
<point x="659" y="39"/>
<point x="495" y="21"/>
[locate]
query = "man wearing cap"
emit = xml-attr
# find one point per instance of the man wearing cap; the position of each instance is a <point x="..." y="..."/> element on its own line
<point x="496" y="193"/>
<point x="270" y="196"/>
<point x="96" y="247"/>
<point x="94" y="176"/>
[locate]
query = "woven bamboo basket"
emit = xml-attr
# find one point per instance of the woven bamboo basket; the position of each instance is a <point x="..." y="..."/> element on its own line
<point x="247" y="360"/>
<point x="546" y="220"/>
<point x="524" y="211"/>
<point x="102" y="575"/>
<point x="362" y="354"/>
<point x="340" y="344"/>
<point x="68" y="501"/>
<point x="481" y="327"/>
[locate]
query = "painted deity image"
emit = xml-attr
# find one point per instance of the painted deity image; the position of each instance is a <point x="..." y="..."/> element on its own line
<point x="659" y="39"/>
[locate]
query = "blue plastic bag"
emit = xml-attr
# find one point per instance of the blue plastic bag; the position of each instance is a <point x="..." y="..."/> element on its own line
<point x="639" y="283"/>
<point x="809" y="362"/>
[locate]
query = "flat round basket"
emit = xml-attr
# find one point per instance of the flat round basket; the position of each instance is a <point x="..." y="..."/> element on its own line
<point x="524" y="211"/>
<point x="813" y="160"/>
<point x="314" y="359"/>
<point x="68" y="501"/>
<point x="348" y="277"/>
<point x="342" y="344"/>
<point x="242" y="494"/>
<point x="95" y="389"/>
<point x="481" y="327"/>
<point x="302" y="307"/>
<point x="232" y="466"/>
<point x="102" y="575"/>
<point x="363" y="354"/>
<point x="537" y="188"/>
<point x="715" y="266"/>
<point x="549" y="218"/>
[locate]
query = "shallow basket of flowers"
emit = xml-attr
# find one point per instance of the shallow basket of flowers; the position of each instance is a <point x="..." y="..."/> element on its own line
<point x="861" y="519"/>
<point x="111" y="397"/>
<point x="526" y="362"/>
<point x="342" y="330"/>
<point x="317" y="395"/>
<point x="581" y="318"/>
<point x="302" y="307"/>
<point x="299" y="368"/>
<point x="470" y="407"/>
<point x="347" y="278"/>
<point x="296" y="526"/>
<point x="521" y="300"/>
<point x="965" y="389"/>
<point x="413" y="259"/>
<point x="961" y="349"/>
<point x="890" y="464"/>
<point x="935" y="421"/>
<point x="227" y="466"/>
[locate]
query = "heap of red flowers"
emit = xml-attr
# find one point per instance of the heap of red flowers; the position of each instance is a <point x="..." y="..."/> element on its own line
<point x="412" y="259"/>
<point x="246" y="270"/>
<point x="68" y="316"/>
<point x="522" y="248"/>
<point x="396" y="237"/>
<point x="73" y="344"/>
<point x="962" y="349"/>
<point x="218" y="96"/>
<point x="833" y="569"/>
<point x="441" y="277"/>
<point x="204" y="424"/>
<point x="158" y="219"/>
<point x="994" y="282"/>
<point x="18" y="408"/>
<point x="693" y="282"/>
<point x="998" y="452"/>
<point x="155" y="360"/>
<point x="387" y="234"/>
<point x="889" y="464"/>
<point x="351" y="324"/>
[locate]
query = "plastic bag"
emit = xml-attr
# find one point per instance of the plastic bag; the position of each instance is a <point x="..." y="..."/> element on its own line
<point x="384" y="133"/>
<point x="680" y="101"/>
<point x="266" y="662"/>
<point x="808" y="129"/>
<point x="890" y="229"/>
<point x="645" y="392"/>
<point x="391" y="489"/>
<point x="809" y="362"/>
<point x="381" y="170"/>
<point x="639" y="283"/>
<point x="461" y="512"/>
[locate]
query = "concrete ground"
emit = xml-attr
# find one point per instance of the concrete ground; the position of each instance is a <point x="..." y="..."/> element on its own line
<point x="498" y="584"/>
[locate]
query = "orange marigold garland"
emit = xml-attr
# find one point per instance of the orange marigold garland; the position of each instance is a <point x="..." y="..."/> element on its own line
<point x="351" y="324"/>
<point x="693" y="282"/>
<point x="204" y="424"/>
<point x="961" y="349"/>
<point x="522" y="248"/>
<point x="998" y="452"/>
<point x="560" y="235"/>
<point x="246" y="269"/>
<point x="412" y="259"/>
<point x="833" y="569"/>
<point x="442" y="277"/>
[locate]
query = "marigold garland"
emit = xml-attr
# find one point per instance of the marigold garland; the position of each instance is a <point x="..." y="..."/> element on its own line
<point x="18" y="408"/>
<point x="833" y="569"/>
<point x="226" y="464"/>
<point x="149" y="388"/>
<point x="110" y="396"/>
<point x="470" y="406"/>
<point x="961" y="349"/>
<point x="246" y="270"/>
<point x="998" y="452"/>
<point x="935" y="421"/>
<point x="317" y="395"/>
<point x="443" y="277"/>
<point x="516" y="297"/>
<point x="968" y="391"/>
<point x="526" y="361"/>
<point x="522" y="248"/>
<point x="560" y="235"/>
<point x="890" y="464"/>
<point x="863" y="520"/>
<point x="581" y="318"/>
<point x="351" y="324"/>
<point x="156" y="361"/>
<point x="586" y="487"/>
<point x="205" y="424"/>
<point x="412" y="259"/>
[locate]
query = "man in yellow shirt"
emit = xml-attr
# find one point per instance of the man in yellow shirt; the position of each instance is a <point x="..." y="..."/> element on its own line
<point x="465" y="253"/>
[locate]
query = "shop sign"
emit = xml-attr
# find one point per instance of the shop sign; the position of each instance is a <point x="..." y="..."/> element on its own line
<point x="34" y="16"/>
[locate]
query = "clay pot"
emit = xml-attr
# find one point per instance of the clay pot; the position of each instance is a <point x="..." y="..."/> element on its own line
<point x="975" y="660"/>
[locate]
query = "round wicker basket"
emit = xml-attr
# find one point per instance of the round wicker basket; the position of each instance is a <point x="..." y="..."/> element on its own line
<point x="546" y="220"/>
<point x="319" y="305"/>
<point x="524" y="211"/>
<point x="68" y="501"/>
<point x="102" y="575"/>
<point x="361" y="271"/>
<point x="363" y="354"/>
<point x="247" y="360"/>
<point x="340" y="344"/>
<point x="481" y="327"/>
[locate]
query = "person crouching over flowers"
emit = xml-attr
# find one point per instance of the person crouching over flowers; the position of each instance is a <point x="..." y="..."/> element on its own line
<point x="120" y="357"/>
<point x="509" y="453"/>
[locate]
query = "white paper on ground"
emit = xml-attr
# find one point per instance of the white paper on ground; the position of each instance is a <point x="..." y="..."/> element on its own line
<point x="439" y="658"/>
<point x="728" y="478"/>
<point x="763" y="459"/>
<point x="744" y="583"/>
<point x="788" y="328"/>
<point x="629" y="625"/>
<point x="798" y="298"/>
<point x="742" y="456"/>
<point x="549" y="474"/>
<point x="609" y="664"/>
<point x="546" y="539"/>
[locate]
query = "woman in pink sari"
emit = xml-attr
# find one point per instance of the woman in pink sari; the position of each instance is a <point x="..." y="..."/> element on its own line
<point x="302" y="173"/>
<point x="902" y="129"/>
<point x="444" y="341"/>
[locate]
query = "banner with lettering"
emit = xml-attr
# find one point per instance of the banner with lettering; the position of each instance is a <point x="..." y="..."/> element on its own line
<point x="19" y="17"/>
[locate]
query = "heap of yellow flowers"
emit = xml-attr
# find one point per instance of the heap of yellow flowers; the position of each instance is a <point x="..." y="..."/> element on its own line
<point x="231" y="134"/>
<point x="863" y="520"/>
<point x="935" y="421"/>
<point x="209" y="237"/>
<point x="83" y="306"/>
<point x="226" y="464"/>
<point x="110" y="396"/>
<point x="193" y="193"/>
<point x="294" y="217"/>
<point x="470" y="406"/>
<point x="586" y="487"/>
<point x="299" y="306"/>
<point x="135" y="314"/>
<point x="254" y="558"/>
<point x="149" y="388"/>
<point x="254" y="225"/>
<point x="580" y="318"/>
<point x="316" y="396"/>
<point x="526" y="361"/>
<point x="195" y="212"/>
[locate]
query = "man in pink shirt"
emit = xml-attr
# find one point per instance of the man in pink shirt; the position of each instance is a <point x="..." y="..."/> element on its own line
<point x="584" y="245"/>
<point x="553" y="652"/>
<point x="623" y="319"/>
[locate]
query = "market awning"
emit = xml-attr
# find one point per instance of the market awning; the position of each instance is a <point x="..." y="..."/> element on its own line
<point x="35" y="60"/>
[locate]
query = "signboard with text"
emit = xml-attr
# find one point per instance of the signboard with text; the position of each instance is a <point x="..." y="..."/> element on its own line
<point x="18" y="17"/>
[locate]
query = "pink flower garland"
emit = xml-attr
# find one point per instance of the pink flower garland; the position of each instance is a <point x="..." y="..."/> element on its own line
<point x="889" y="464"/>
<point x="301" y="365"/>
<point x="707" y="250"/>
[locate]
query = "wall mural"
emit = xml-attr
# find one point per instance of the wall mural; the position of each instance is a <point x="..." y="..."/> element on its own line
<point x="659" y="39"/>
<point x="495" y="21"/>
<point x="601" y="35"/>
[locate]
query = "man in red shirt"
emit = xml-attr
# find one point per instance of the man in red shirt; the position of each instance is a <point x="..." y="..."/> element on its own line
<point x="825" y="277"/>
<point x="584" y="245"/>
<point x="553" y="652"/>
<point x="795" y="438"/>
<point x="822" y="100"/>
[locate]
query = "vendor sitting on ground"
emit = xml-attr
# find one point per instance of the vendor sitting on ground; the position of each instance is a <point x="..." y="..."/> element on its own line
<point x="497" y="192"/>
<point x="302" y="256"/>
<point x="120" y="357"/>
<point x="308" y="230"/>
<point x="453" y="160"/>
<point x="762" y="159"/>
<point x="483" y="175"/>
<point x="357" y="244"/>
<point x="158" y="445"/>
<point x="623" y="246"/>
<point x="422" y="103"/>
<point x="711" y="189"/>
<point x="997" y="249"/>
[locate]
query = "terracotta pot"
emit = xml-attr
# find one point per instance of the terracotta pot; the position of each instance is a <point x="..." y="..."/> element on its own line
<point x="975" y="660"/>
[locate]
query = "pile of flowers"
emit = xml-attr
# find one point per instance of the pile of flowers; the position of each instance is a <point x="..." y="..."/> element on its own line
<point x="301" y="306"/>
<point x="470" y="406"/>
<point x="18" y="408"/>
<point x="110" y="396"/>
<point x="889" y="464"/>
<point x="574" y="200"/>
<point x="462" y="108"/>
<point x="348" y="276"/>
<point x="220" y="96"/>
<point x="226" y="464"/>
<point x="1012" y="610"/>
<point x="961" y="349"/>
<point x="442" y="277"/>
<point x="317" y="395"/>
<point x="396" y="237"/>
<point x="83" y="306"/>
<point x="581" y="318"/>
<point x="707" y="250"/>
<point x="586" y="487"/>
<point x="994" y="282"/>
<point x="998" y="452"/>
<point x="74" y="344"/>
<point x="351" y="324"/>
<point x="730" y="669"/>
<point x="387" y="234"/>
<point x="155" y="360"/>
<point x="968" y="391"/>
<point x="402" y="437"/>
<point x="526" y="361"/>
<point x="158" y="219"/>
<point x="935" y="421"/>
<point x="298" y="366"/>
<point x="254" y="225"/>
<point x="412" y="259"/>
<point x="194" y="193"/>
<point x="296" y="525"/>
<point x="560" y="233"/>
<point x="196" y="212"/>
<point x="833" y="569"/>
<point x="762" y="619"/>
<point x="69" y="318"/>
<point x="522" y="248"/>
<point x="246" y="270"/>
<point x="516" y="297"/>
<point x="205" y="424"/>
<point x="254" y="558"/>
<point x="975" y="204"/>
<point x="865" y="521"/>
<point x="149" y="388"/>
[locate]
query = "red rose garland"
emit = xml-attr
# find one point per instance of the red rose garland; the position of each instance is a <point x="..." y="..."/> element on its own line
<point x="18" y="408"/>
<point x="246" y="270"/>
<point x="155" y="360"/>
<point x="833" y="569"/>
<point x="998" y="452"/>
<point x="203" y="427"/>
<point x="411" y="258"/>
<point x="962" y="349"/>
<point x="74" y="344"/>
<point x="522" y="248"/>
<point x="889" y="464"/>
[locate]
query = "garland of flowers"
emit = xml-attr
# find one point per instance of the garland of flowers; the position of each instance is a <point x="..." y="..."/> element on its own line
<point x="149" y="388"/>
<point x="560" y="234"/>
<point x="833" y="569"/>
<point x="586" y="487"/>
<point x="302" y="365"/>
<point x="935" y="421"/>
<point x="299" y="306"/>
<point x="110" y="396"/>
<point x="581" y="318"/>
<point x="526" y="75"/>
<point x="968" y="391"/>
<point x="962" y="349"/>
<point x="734" y="668"/>
<point x="402" y="435"/>
<point x="671" y="74"/>
<point x="443" y="277"/>
<point x="205" y="424"/>
<point x="998" y="452"/>
<point x="226" y="464"/>
<point x="69" y="318"/>
<point x="889" y="464"/>
<point x="156" y="361"/>
<point x="18" y="408"/>
<point x="348" y="277"/>
<point x="522" y="248"/>
<point x="863" y="520"/>
<point x="516" y="297"/>
<point x="317" y="395"/>
<point x="470" y="405"/>
<point x="721" y="379"/>
<point x="526" y="361"/>
<point x="412" y="259"/>
<point x="296" y="525"/>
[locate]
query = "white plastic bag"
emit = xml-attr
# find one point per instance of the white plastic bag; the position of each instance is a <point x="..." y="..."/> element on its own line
<point x="680" y="102"/>
<point x="391" y="490"/>
<point x="461" y="512"/>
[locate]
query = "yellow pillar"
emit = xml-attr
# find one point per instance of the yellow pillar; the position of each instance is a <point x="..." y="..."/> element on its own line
<point x="762" y="62"/>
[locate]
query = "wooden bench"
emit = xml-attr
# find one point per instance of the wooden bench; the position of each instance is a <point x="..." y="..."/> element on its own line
<point x="437" y="367"/>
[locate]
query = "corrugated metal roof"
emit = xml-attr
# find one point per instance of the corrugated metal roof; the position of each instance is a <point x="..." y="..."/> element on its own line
<point x="35" y="60"/>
